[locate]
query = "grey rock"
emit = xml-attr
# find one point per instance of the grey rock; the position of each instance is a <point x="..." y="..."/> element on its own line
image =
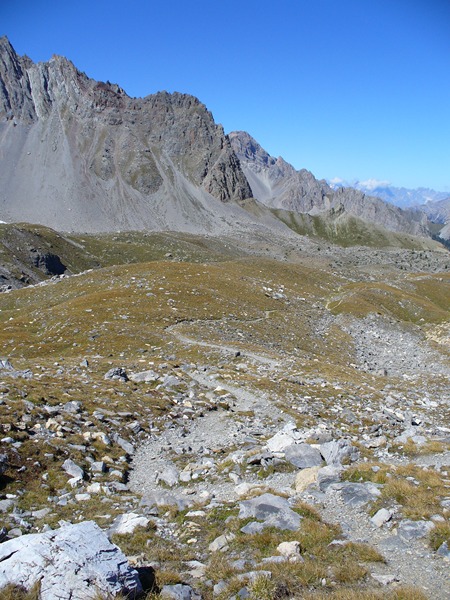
<point x="73" y="407"/>
<point x="98" y="467"/>
<point x="71" y="563"/>
<point x="284" y="438"/>
<point x="144" y="377"/>
<point x="384" y="579"/>
<point x="116" y="374"/>
<point x="160" y="498"/>
<point x="252" y="576"/>
<point x="6" y="505"/>
<point x="221" y="543"/>
<point x="273" y="559"/>
<point x="303" y="456"/>
<point x="443" y="550"/>
<point x="135" y="427"/>
<point x="179" y="592"/>
<point x="170" y="476"/>
<point x="413" y="530"/>
<point x="357" y="494"/>
<point x="73" y="469"/>
<point x="272" y="510"/>
<point x="3" y="463"/>
<point x="197" y="569"/>
<point x="328" y="476"/>
<point x="40" y="514"/>
<point x="5" y="365"/>
<point x="337" y="451"/>
<point x="220" y="587"/>
<point x="127" y="446"/>
<point x="381" y="517"/>
<point x="170" y="381"/>
<point x="127" y="523"/>
<point x="253" y="527"/>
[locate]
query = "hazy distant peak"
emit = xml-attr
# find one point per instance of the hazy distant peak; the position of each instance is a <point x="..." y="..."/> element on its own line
<point x="400" y="196"/>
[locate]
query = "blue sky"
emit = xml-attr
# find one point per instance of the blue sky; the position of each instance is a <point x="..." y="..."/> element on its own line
<point x="357" y="89"/>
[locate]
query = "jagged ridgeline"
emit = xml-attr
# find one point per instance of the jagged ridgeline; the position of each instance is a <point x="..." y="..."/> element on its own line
<point x="81" y="155"/>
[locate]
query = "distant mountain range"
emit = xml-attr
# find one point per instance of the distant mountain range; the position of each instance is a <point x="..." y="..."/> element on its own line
<point x="81" y="155"/>
<point x="400" y="196"/>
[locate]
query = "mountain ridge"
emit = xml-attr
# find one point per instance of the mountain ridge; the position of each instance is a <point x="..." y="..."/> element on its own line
<point x="278" y="185"/>
<point x="400" y="196"/>
<point x="95" y="149"/>
<point x="82" y="155"/>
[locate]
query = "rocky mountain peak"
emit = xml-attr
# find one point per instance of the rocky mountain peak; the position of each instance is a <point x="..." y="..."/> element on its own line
<point x="15" y="91"/>
<point x="96" y="159"/>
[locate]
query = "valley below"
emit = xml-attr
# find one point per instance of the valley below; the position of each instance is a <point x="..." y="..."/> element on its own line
<point x="260" y="415"/>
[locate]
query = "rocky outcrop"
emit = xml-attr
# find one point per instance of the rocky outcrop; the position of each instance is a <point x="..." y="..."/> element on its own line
<point x="75" y="562"/>
<point x="82" y="155"/>
<point x="278" y="185"/>
<point x="275" y="182"/>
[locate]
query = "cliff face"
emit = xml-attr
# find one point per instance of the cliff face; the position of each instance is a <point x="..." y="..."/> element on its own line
<point x="278" y="185"/>
<point x="80" y="154"/>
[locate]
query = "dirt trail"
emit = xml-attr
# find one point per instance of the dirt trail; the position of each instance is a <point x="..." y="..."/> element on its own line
<point x="224" y="348"/>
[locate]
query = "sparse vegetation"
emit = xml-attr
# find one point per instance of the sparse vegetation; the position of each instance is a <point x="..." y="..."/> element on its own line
<point x="210" y="310"/>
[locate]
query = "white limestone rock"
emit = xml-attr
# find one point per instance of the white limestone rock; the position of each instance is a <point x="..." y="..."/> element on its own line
<point x="75" y="562"/>
<point x="128" y="522"/>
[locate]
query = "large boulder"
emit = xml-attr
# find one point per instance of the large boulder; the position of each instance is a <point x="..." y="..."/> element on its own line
<point x="75" y="562"/>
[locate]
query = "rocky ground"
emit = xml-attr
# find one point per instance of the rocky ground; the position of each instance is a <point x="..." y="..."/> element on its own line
<point x="228" y="455"/>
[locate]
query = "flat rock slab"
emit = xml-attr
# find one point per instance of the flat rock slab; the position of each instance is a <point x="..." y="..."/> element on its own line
<point x="170" y="476"/>
<point x="144" y="377"/>
<point x="303" y="456"/>
<point x="357" y="494"/>
<point x="75" y="562"/>
<point x="273" y="510"/>
<point x="163" y="498"/>
<point x="284" y="438"/>
<point x="413" y="530"/>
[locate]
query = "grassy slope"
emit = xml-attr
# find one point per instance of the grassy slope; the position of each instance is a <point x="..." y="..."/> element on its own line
<point x="120" y="315"/>
<point x="345" y="230"/>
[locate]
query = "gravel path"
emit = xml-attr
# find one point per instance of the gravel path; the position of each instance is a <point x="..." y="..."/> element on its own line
<point x="219" y="432"/>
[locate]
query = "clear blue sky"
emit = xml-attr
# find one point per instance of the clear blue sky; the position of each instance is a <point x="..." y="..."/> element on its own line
<point x="356" y="89"/>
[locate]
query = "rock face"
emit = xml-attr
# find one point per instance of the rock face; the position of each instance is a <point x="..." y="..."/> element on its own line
<point x="278" y="185"/>
<point x="96" y="159"/>
<point x="75" y="562"/>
